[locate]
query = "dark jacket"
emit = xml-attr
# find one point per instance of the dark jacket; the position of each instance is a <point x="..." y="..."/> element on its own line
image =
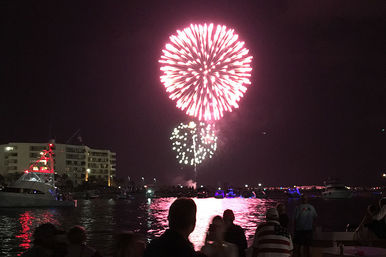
<point x="170" y="244"/>
<point x="284" y="220"/>
<point x="235" y="235"/>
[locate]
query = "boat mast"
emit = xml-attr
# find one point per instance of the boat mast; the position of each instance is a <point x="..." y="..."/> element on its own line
<point x="42" y="170"/>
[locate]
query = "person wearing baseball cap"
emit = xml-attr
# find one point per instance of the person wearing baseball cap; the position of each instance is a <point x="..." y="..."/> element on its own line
<point x="272" y="239"/>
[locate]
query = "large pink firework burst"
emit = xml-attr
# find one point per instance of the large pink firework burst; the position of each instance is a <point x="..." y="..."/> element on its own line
<point x="206" y="70"/>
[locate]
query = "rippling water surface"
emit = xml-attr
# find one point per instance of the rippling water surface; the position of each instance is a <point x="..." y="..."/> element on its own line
<point x="102" y="218"/>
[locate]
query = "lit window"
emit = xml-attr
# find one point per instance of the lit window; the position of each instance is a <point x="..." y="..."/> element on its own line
<point x="9" y="148"/>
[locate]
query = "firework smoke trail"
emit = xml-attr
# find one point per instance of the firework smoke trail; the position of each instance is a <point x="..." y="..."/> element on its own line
<point x="206" y="70"/>
<point x="194" y="142"/>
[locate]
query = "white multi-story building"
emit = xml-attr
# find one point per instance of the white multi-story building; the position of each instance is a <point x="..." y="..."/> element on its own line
<point x="79" y="162"/>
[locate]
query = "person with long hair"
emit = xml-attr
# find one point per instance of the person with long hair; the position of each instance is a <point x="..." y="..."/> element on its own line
<point x="215" y="245"/>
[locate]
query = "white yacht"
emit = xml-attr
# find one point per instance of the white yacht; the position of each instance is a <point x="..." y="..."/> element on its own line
<point x="336" y="190"/>
<point x="32" y="193"/>
<point x="36" y="187"/>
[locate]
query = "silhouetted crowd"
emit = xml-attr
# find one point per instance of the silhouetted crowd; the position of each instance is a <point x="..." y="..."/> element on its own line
<point x="223" y="238"/>
<point x="52" y="242"/>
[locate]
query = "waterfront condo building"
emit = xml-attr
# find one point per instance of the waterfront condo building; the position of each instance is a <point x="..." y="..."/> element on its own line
<point x="80" y="163"/>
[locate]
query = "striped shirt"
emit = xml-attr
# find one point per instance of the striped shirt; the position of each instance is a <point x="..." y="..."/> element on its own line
<point x="272" y="240"/>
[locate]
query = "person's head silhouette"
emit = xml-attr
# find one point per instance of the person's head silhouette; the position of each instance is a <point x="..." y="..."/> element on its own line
<point x="182" y="216"/>
<point x="228" y="216"/>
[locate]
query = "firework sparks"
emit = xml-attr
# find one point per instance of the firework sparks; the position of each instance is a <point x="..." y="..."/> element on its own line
<point x="194" y="142"/>
<point x="206" y="70"/>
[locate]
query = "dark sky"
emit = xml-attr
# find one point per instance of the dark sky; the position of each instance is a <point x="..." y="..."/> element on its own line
<point x="318" y="86"/>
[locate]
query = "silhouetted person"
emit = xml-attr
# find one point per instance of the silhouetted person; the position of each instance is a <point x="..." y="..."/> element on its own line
<point x="234" y="233"/>
<point x="381" y="214"/>
<point x="271" y="238"/>
<point x="305" y="216"/>
<point x="129" y="244"/>
<point x="46" y="242"/>
<point x="283" y="217"/>
<point x="215" y="246"/>
<point x="174" y="242"/>
<point x="378" y="225"/>
<point x="362" y="233"/>
<point x="77" y="248"/>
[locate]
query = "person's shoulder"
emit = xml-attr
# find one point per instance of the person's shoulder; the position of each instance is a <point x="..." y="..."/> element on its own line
<point x="153" y="248"/>
<point x="160" y="246"/>
<point x="260" y="226"/>
<point x="238" y="227"/>
<point x="156" y="243"/>
<point x="265" y="226"/>
<point x="207" y="249"/>
<point x="312" y="207"/>
<point x="228" y="245"/>
<point x="200" y="254"/>
<point x="90" y="251"/>
<point x="231" y="248"/>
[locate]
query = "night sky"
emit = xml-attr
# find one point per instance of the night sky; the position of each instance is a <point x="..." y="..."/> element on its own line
<point x="315" y="109"/>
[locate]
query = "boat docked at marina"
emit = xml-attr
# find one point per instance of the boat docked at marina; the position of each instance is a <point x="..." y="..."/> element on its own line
<point x="36" y="187"/>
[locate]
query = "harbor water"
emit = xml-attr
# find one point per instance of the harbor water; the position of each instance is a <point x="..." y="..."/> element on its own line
<point x="103" y="218"/>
